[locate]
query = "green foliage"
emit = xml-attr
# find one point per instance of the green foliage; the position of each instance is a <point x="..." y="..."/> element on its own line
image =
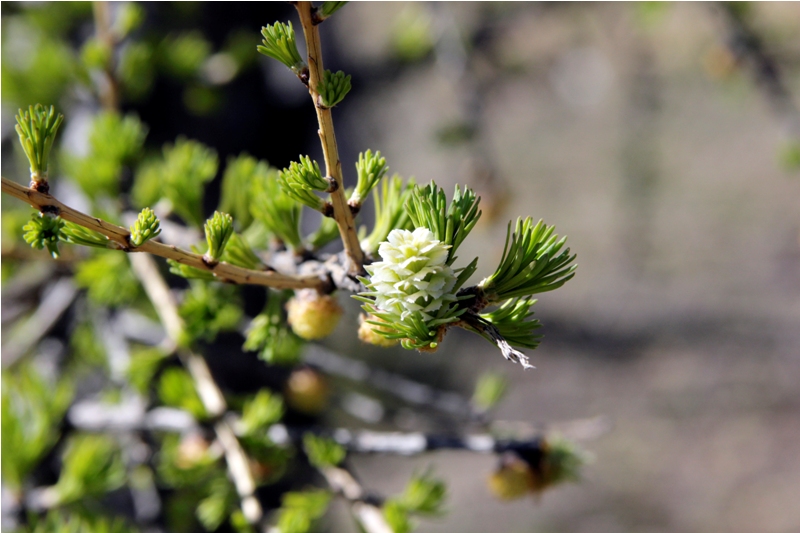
<point x="563" y="461"/>
<point x="237" y="187"/>
<point x="143" y="366"/>
<point x="427" y="208"/>
<point x="278" y="211"/>
<point x="370" y="168"/>
<point x="239" y="253"/>
<point x="789" y="155"/>
<point x="512" y="321"/>
<point x="145" y="228"/>
<point x="299" y="510"/>
<point x="260" y="412"/>
<point x="397" y="517"/>
<point x="218" y="230"/>
<point x="189" y="272"/>
<point x="181" y="55"/>
<point x="43" y="73"/>
<point x="44" y="230"/>
<point x="86" y="348"/>
<point x="136" y="70"/>
<point x="210" y="308"/>
<point x="279" y="43"/>
<point x="176" y="389"/>
<point x="333" y="88"/>
<point x="531" y="263"/>
<point x="323" y="452"/>
<point x="412" y="33"/>
<point x="490" y="389"/>
<point x="390" y="211"/>
<point x="75" y="234"/>
<point x="300" y="180"/>
<point x="114" y="141"/>
<point x="327" y="232"/>
<point x="92" y="465"/>
<point x="329" y="8"/>
<point x="31" y="413"/>
<point x="59" y="521"/>
<point x="186" y="167"/>
<point x="95" y="55"/>
<point x="271" y="336"/>
<point x="185" y="461"/>
<point x="129" y="16"/>
<point x="424" y="495"/>
<point x="215" y="508"/>
<point x="37" y="128"/>
<point x="108" y="278"/>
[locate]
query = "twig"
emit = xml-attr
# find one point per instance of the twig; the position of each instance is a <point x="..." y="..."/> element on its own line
<point x="109" y="94"/>
<point x="210" y="394"/>
<point x="341" y="210"/>
<point x="368" y="514"/>
<point x="56" y="301"/>
<point x="408" y="390"/>
<point x="121" y="237"/>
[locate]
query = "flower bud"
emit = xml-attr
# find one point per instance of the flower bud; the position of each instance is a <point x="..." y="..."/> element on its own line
<point x="312" y="316"/>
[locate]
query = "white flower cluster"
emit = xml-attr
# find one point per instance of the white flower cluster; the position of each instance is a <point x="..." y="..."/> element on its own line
<point x="413" y="275"/>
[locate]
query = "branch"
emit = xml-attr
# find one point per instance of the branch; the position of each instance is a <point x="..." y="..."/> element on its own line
<point x="368" y="514"/>
<point x="121" y="237"/>
<point x="211" y="396"/>
<point x="341" y="210"/>
<point x="109" y="95"/>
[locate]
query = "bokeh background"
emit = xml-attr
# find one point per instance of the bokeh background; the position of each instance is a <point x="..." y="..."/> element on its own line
<point x="661" y="138"/>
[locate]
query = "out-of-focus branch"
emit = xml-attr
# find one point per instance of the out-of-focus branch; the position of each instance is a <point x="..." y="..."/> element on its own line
<point x="746" y="45"/>
<point x="121" y="236"/>
<point x="109" y="94"/>
<point x="341" y="210"/>
<point x="57" y="300"/>
<point x="211" y="396"/>
<point x="369" y="515"/>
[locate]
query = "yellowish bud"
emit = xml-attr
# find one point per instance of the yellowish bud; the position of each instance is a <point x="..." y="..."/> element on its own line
<point x="512" y="480"/>
<point x="312" y="316"/>
<point x="368" y="333"/>
<point x="307" y="391"/>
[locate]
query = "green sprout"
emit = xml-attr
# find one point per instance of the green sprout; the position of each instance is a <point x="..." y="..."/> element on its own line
<point x="44" y="230"/>
<point x="75" y="234"/>
<point x="218" y="229"/>
<point x="390" y="212"/>
<point x="328" y="8"/>
<point x="531" y="263"/>
<point x="37" y="128"/>
<point x="512" y="321"/>
<point x="279" y="43"/>
<point x="304" y="175"/>
<point x="370" y="168"/>
<point x="332" y="88"/>
<point x="428" y="208"/>
<point x="238" y="252"/>
<point x="145" y="228"/>
<point x="278" y="211"/>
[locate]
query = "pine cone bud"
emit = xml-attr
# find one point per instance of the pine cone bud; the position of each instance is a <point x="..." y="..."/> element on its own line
<point x="313" y="316"/>
<point x="413" y="275"/>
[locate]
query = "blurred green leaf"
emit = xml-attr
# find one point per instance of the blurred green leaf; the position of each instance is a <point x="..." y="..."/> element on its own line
<point x="208" y="309"/>
<point x="92" y="465"/>
<point x="323" y="452"/>
<point x="176" y="389"/>
<point x="108" y="278"/>
<point x="261" y="411"/>
<point x="32" y="409"/>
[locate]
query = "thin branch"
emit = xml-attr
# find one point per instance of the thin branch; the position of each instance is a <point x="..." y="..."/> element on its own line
<point x="109" y="94"/>
<point x="369" y="515"/>
<point x="341" y="210"/>
<point x="121" y="237"/>
<point x="55" y="302"/>
<point x="210" y="394"/>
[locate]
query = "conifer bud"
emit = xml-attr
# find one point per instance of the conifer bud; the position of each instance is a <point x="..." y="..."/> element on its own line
<point x="313" y="316"/>
<point x="306" y="391"/>
<point x="368" y="333"/>
<point x="513" y="480"/>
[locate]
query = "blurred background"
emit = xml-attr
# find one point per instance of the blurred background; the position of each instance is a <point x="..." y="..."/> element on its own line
<point x="662" y="138"/>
